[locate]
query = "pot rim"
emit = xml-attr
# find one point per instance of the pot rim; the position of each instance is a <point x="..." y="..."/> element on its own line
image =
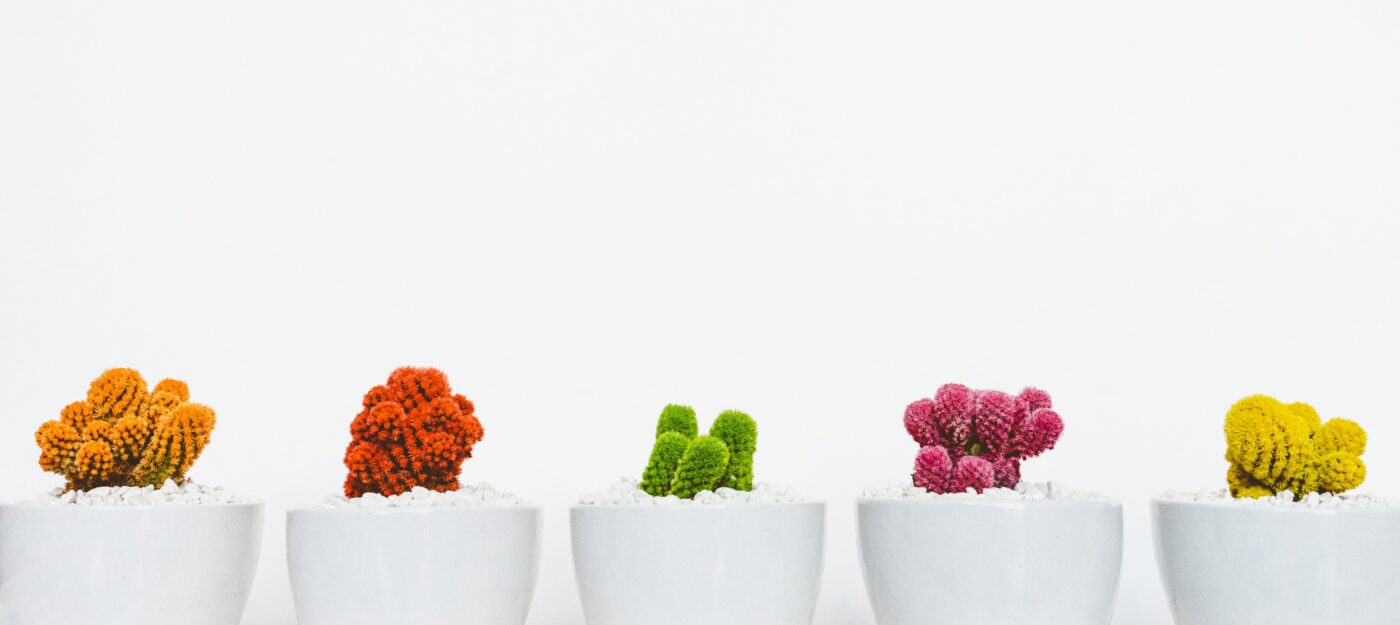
<point x="989" y="502"/>
<point x="32" y="505"/>
<point x="796" y="505"/>
<point x="1246" y="508"/>
<point x="408" y="510"/>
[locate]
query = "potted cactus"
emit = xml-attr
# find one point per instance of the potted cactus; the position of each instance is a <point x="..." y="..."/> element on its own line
<point x="697" y="525"/>
<point x="407" y="542"/>
<point x="966" y="541"/>
<point x="128" y="539"/>
<point x="1289" y="481"/>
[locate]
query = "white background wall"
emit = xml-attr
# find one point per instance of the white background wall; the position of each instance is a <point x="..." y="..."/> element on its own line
<point x="813" y="211"/>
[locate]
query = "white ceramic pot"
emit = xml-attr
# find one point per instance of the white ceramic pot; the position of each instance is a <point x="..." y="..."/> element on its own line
<point x="990" y="561"/>
<point x="127" y="565"/>
<point x="1233" y="564"/>
<point x="451" y="565"/>
<point x="730" y="564"/>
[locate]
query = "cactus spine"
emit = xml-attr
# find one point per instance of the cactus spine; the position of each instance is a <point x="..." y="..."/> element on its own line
<point x="684" y="464"/>
<point x="124" y="434"/>
<point x="1274" y="447"/>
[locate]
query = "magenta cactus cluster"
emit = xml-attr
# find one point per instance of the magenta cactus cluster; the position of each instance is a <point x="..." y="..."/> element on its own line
<point x="977" y="439"/>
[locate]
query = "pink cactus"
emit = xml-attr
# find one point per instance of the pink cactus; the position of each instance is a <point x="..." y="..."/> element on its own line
<point x="918" y="420"/>
<point x="973" y="472"/>
<point x="1006" y="471"/>
<point x="1039" y="433"/>
<point x="992" y="415"/>
<point x="933" y="469"/>
<point x="977" y="439"/>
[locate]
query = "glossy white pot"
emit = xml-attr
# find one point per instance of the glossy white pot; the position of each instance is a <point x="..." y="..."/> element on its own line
<point x="990" y="561"/>
<point x="450" y="565"/>
<point x="127" y="565"/>
<point x="731" y="564"/>
<point x="1233" y="564"/>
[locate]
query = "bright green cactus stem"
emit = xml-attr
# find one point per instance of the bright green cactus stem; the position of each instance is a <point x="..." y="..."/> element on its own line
<point x="682" y="464"/>
<point x="740" y="434"/>
<point x="679" y="419"/>
<point x="701" y="467"/>
<point x="665" y="458"/>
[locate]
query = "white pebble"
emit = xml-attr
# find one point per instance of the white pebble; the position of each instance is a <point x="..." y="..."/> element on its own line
<point x="625" y="492"/>
<point x="481" y="494"/>
<point x="1285" y="499"/>
<point x="188" y="493"/>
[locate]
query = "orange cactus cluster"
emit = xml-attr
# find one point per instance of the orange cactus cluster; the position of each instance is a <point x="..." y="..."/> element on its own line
<point x="124" y="434"/>
<point x="413" y="431"/>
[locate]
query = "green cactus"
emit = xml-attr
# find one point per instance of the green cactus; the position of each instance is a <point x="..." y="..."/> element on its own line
<point x="679" y="419"/>
<point x="683" y="464"/>
<point x="665" y="458"/>
<point x="701" y="468"/>
<point x="740" y="434"/>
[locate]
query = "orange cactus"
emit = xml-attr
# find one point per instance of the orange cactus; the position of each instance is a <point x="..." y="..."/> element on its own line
<point x="125" y="435"/>
<point x="413" y="431"/>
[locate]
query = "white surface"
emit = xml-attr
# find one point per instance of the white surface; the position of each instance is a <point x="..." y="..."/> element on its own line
<point x="1227" y="564"/>
<point x="985" y="560"/>
<point x="169" y="494"/>
<point x="1028" y="491"/>
<point x="625" y="492"/>
<point x="426" y="566"/>
<point x="127" y="565"/>
<point x="813" y="211"/>
<point x="699" y="565"/>
<point x="481" y="494"/>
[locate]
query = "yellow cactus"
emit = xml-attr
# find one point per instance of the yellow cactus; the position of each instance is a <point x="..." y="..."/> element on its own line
<point x="1341" y="435"/>
<point x="1274" y="447"/>
<point x="1340" y="471"/>
<point x="125" y="435"/>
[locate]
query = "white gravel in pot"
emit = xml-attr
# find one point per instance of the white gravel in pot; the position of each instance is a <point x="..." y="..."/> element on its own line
<point x="625" y="492"/>
<point x="1285" y="500"/>
<point x="188" y="493"/>
<point x="1025" y="491"/>
<point x="481" y="494"/>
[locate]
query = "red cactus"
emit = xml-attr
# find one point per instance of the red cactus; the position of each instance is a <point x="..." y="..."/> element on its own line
<point x="977" y="439"/>
<point x="413" y="431"/>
